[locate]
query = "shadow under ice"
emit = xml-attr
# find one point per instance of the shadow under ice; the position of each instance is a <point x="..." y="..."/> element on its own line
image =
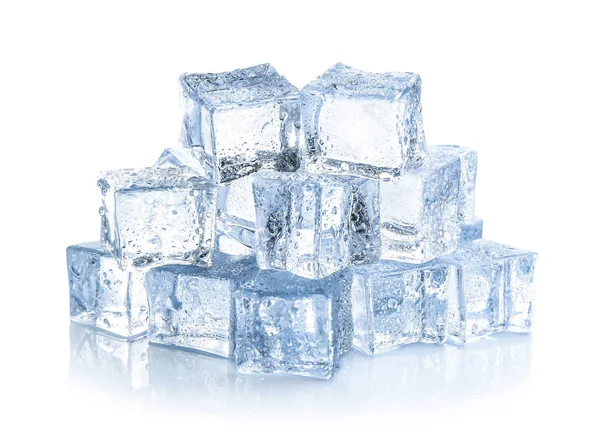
<point x="413" y="375"/>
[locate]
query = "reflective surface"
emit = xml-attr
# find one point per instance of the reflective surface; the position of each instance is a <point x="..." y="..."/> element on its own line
<point x="415" y="375"/>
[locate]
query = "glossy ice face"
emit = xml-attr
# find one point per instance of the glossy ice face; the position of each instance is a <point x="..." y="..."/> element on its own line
<point x="395" y="304"/>
<point x="315" y="225"/>
<point x="192" y="306"/>
<point x="362" y="122"/>
<point x="157" y="216"/>
<point x="288" y="324"/>
<point x="242" y="121"/>
<point x="493" y="290"/>
<point x="419" y="210"/>
<point x="104" y="296"/>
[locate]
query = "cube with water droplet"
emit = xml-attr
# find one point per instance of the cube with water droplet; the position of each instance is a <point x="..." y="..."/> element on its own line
<point x="242" y="121"/>
<point x="315" y="225"/>
<point x="192" y="306"/>
<point x="493" y="290"/>
<point x="294" y="325"/>
<point x="104" y="296"/>
<point x="419" y="210"/>
<point x="363" y="122"/>
<point x="157" y="216"/>
<point x="395" y="304"/>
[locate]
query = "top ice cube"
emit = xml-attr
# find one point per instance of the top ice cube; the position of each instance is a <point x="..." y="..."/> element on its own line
<point x="363" y="122"/>
<point x="242" y="121"/>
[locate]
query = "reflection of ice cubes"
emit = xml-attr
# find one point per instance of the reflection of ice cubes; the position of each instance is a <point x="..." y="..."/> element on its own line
<point x="315" y="225"/>
<point x="192" y="306"/>
<point x="494" y="290"/>
<point x="288" y="324"/>
<point x="362" y="122"/>
<point x="104" y="296"/>
<point x="158" y="216"/>
<point x="395" y="304"/>
<point x="176" y="373"/>
<point x="419" y="218"/>
<point x="108" y="361"/>
<point x="242" y="121"/>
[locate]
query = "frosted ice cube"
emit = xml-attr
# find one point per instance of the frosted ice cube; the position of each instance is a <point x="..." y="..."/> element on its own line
<point x="242" y="121"/>
<point x="104" y="296"/>
<point x="363" y="122"/>
<point x="315" y="225"/>
<point x="158" y="216"/>
<point x="192" y="306"/>
<point x="289" y="324"/>
<point x="395" y="304"/>
<point x="471" y="230"/>
<point x="494" y="290"/>
<point x="419" y="220"/>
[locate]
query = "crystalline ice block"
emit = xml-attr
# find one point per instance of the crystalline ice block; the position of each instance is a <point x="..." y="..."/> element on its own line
<point x="236" y="219"/>
<point x="158" y="216"/>
<point x="471" y="230"/>
<point x="242" y="121"/>
<point x="468" y="176"/>
<point x="395" y="304"/>
<point x="494" y="290"/>
<point x="289" y="324"/>
<point x="419" y="220"/>
<point x="362" y="122"/>
<point x="104" y="296"/>
<point x="108" y="361"/>
<point x="192" y="306"/>
<point x="315" y="225"/>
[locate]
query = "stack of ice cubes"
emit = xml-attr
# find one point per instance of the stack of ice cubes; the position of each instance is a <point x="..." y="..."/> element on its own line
<point x="291" y="226"/>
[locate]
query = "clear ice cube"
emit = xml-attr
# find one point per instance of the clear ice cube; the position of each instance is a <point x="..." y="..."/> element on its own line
<point x="104" y="296"/>
<point x="289" y="324"/>
<point x="242" y="121"/>
<point x="157" y="216"/>
<point x="315" y="225"/>
<point x="471" y="230"/>
<point x="395" y="304"/>
<point x="362" y="122"/>
<point x="192" y="306"/>
<point x="493" y="290"/>
<point x="419" y="220"/>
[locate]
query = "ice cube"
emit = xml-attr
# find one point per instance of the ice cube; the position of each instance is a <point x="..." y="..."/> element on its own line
<point x="192" y="307"/>
<point x="494" y="290"/>
<point x="289" y="324"/>
<point x="419" y="220"/>
<point x="362" y="122"/>
<point x="104" y="296"/>
<point x="471" y="230"/>
<point x="157" y="216"/>
<point x="315" y="225"/>
<point x="242" y="121"/>
<point x="395" y="304"/>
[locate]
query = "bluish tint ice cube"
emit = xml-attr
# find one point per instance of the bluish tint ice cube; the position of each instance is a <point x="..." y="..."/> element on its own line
<point x="104" y="296"/>
<point x="395" y="304"/>
<point x="494" y="290"/>
<point x="289" y="324"/>
<point x="419" y="215"/>
<point x="158" y="216"/>
<point x="471" y="230"/>
<point x="315" y="225"/>
<point x="468" y="177"/>
<point x="362" y="122"/>
<point x="242" y="121"/>
<point x="192" y="306"/>
<point x="108" y="361"/>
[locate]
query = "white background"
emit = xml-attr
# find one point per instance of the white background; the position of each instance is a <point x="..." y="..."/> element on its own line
<point x="90" y="86"/>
